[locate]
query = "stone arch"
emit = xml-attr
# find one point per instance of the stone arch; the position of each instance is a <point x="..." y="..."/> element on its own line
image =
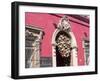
<point x="73" y="43"/>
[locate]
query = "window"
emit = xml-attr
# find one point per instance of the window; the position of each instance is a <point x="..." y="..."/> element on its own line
<point x="32" y="47"/>
<point x="86" y="51"/>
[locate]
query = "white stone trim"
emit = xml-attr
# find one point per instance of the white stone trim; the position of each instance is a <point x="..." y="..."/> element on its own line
<point x="73" y="45"/>
<point x="34" y="27"/>
<point x="36" y="54"/>
<point x="74" y="50"/>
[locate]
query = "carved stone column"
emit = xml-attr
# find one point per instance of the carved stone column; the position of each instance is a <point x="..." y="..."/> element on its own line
<point x="74" y="57"/>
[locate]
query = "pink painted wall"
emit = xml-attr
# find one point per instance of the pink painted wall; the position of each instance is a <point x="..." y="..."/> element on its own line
<point x="45" y="21"/>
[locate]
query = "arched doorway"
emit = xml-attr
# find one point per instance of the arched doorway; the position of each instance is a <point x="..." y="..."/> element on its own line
<point x="64" y="53"/>
<point x="63" y="49"/>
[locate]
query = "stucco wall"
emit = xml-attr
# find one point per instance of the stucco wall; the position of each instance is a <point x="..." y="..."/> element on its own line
<point x="46" y="23"/>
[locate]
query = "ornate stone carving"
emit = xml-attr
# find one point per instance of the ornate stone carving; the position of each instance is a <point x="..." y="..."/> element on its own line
<point x="64" y="24"/>
<point x="32" y="47"/>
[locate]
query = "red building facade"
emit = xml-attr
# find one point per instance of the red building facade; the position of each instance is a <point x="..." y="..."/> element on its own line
<point x="49" y="30"/>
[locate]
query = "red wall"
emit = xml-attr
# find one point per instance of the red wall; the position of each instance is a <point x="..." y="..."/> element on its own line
<point x="46" y="22"/>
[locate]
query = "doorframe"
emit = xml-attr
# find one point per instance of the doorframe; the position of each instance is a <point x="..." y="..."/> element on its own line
<point x="74" y="57"/>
